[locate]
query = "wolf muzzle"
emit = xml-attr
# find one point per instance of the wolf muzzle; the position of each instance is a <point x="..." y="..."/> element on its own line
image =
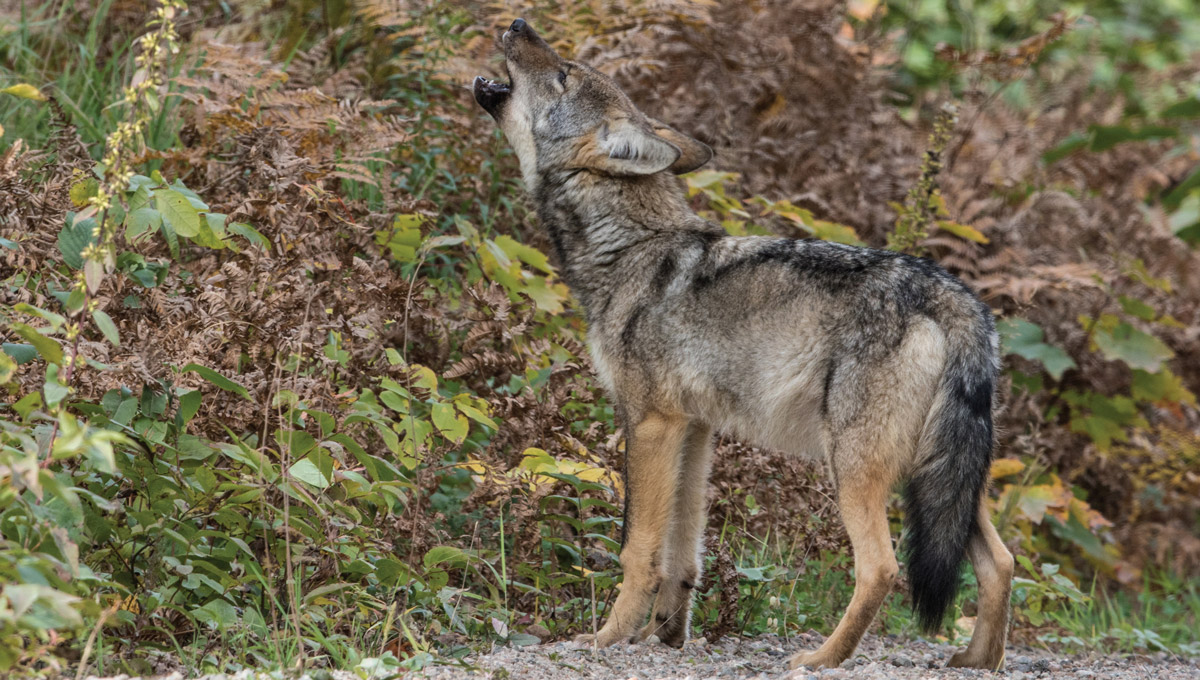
<point x="491" y="95"/>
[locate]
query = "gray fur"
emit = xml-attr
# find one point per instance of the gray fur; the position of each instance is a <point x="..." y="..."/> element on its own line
<point x="882" y="365"/>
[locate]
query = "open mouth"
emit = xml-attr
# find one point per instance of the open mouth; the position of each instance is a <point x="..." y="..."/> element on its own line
<point x="491" y="95"/>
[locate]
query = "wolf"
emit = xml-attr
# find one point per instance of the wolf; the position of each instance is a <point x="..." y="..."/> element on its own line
<point x="878" y="364"/>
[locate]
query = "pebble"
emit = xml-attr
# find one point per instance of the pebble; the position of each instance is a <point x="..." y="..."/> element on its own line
<point x="877" y="658"/>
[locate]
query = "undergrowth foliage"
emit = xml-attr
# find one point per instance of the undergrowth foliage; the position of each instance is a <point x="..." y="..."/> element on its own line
<point x="290" y="380"/>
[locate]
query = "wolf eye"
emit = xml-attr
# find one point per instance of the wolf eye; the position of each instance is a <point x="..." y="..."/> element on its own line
<point x="562" y="78"/>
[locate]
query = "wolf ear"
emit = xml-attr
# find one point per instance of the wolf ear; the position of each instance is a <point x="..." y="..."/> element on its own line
<point x="693" y="153"/>
<point x="628" y="147"/>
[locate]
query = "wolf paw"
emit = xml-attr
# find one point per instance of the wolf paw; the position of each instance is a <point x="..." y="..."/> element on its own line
<point x="671" y="636"/>
<point x="965" y="659"/>
<point x="605" y="638"/>
<point x="814" y="660"/>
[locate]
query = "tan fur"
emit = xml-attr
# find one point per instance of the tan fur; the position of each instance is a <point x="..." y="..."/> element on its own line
<point x="879" y="365"/>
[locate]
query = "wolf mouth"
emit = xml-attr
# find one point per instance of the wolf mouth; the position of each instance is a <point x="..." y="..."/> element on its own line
<point x="491" y="95"/>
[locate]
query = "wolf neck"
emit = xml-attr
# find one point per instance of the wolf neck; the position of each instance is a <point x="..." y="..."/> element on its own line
<point x="599" y="225"/>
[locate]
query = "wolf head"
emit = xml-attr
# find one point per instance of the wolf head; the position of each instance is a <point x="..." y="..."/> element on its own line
<point x="563" y="116"/>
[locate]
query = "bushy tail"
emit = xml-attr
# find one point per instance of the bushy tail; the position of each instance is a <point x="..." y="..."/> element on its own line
<point x="942" y="498"/>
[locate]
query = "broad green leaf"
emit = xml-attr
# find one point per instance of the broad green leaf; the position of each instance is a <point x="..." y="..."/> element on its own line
<point x="1104" y="137"/>
<point x="1025" y="339"/>
<point x="217" y="614"/>
<point x="306" y="471"/>
<point x="1135" y="348"/>
<point x="177" y="210"/>
<point x="74" y="238"/>
<point x="527" y="254"/>
<point x="55" y="391"/>
<point x="20" y="352"/>
<point x="8" y="368"/>
<point x="1163" y="387"/>
<point x="250" y="234"/>
<point x="1137" y="308"/>
<point x="49" y="348"/>
<point x="217" y="379"/>
<point x="449" y="422"/>
<point x="445" y="554"/>
<point x="105" y="323"/>
<point x="140" y="222"/>
<point x="25" y="91"/>
<point x="84" y="190"/>
<point x="140" y="198"/>
<point x="189" y="404"/>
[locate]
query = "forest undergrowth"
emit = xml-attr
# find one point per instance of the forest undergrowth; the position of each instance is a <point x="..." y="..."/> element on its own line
<point x="291" y="381"/>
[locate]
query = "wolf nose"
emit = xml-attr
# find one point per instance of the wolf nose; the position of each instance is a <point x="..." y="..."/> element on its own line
<point x="518" y="26"/>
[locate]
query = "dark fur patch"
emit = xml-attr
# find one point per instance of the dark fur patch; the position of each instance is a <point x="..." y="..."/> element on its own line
<point x="630" y="329"/>
<point x="664" y="274"/>
<point x="942" y="497"/>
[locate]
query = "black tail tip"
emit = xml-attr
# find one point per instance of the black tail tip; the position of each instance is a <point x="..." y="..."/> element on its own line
<point x="934" y="585"/>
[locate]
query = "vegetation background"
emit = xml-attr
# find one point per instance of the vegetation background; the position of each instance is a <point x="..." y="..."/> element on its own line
<point x="289" y="379"/>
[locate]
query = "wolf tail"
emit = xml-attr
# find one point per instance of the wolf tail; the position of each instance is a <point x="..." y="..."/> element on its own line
<point x="955" y="453"/>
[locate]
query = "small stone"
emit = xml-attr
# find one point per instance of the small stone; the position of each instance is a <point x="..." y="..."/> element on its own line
<point x="1018" y="675"/>
<point x="903" y="661"/>
<point x="538" y="631"/>
<point x="1084" y="673"/>
<point x="849" y="664"/>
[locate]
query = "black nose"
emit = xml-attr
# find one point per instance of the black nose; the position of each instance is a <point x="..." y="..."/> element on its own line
<point x="518" y="26"/>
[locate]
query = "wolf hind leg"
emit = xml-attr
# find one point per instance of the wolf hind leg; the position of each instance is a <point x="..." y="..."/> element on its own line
<point x="862" y="500"/>
<point x="653" y="461"/>
<point x="993" y="565"/>
<point x="671" y="617"/>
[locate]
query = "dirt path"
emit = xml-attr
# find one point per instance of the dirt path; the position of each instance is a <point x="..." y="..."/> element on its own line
<point x="766" y="658"/>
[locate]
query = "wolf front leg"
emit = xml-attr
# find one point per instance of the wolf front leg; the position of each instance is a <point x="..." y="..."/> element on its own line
<point x="672" y="613"/>
<point x="652" y="466"/>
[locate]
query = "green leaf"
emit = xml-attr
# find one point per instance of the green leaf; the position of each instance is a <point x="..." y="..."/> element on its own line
<point x="8" y="368"/>
<point x="1163" y="387"/>
<point x="49" y="348"/>
<point x="527" y="254"/>
<point x="1135" y="348"/>
<point x="189" y="404"/>
<point x="177" y="210"/>
<point x="1137" y="308"/>
<point x="105" y="323"/>
<point x="74" y="238"/>
<point x="1104" y="137"/>
<point x="445" y="554"/>
<point x="140" y="198"/>
<point x="306" y="471"/>
<point x="217" y="614"/>
<point x="141" y="222"/>
<point x="1175" y="196"/>
<point x="25" y="91"/>
<point x="217" y="379"/>
<point x="1186" y="108"/>
<point x="250" y="234"/>
<point x="54" y="389"/>
<point x="20" y="352"/>
<point x="1065" y="148"/>
<point x="1025" y="339"/>
<point x="963" y="231"/>
<point x="449" y="422"/>
<point x="84" y="190"/>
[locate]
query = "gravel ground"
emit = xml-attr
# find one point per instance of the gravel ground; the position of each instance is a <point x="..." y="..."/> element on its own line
<point x="766" y="658"/>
